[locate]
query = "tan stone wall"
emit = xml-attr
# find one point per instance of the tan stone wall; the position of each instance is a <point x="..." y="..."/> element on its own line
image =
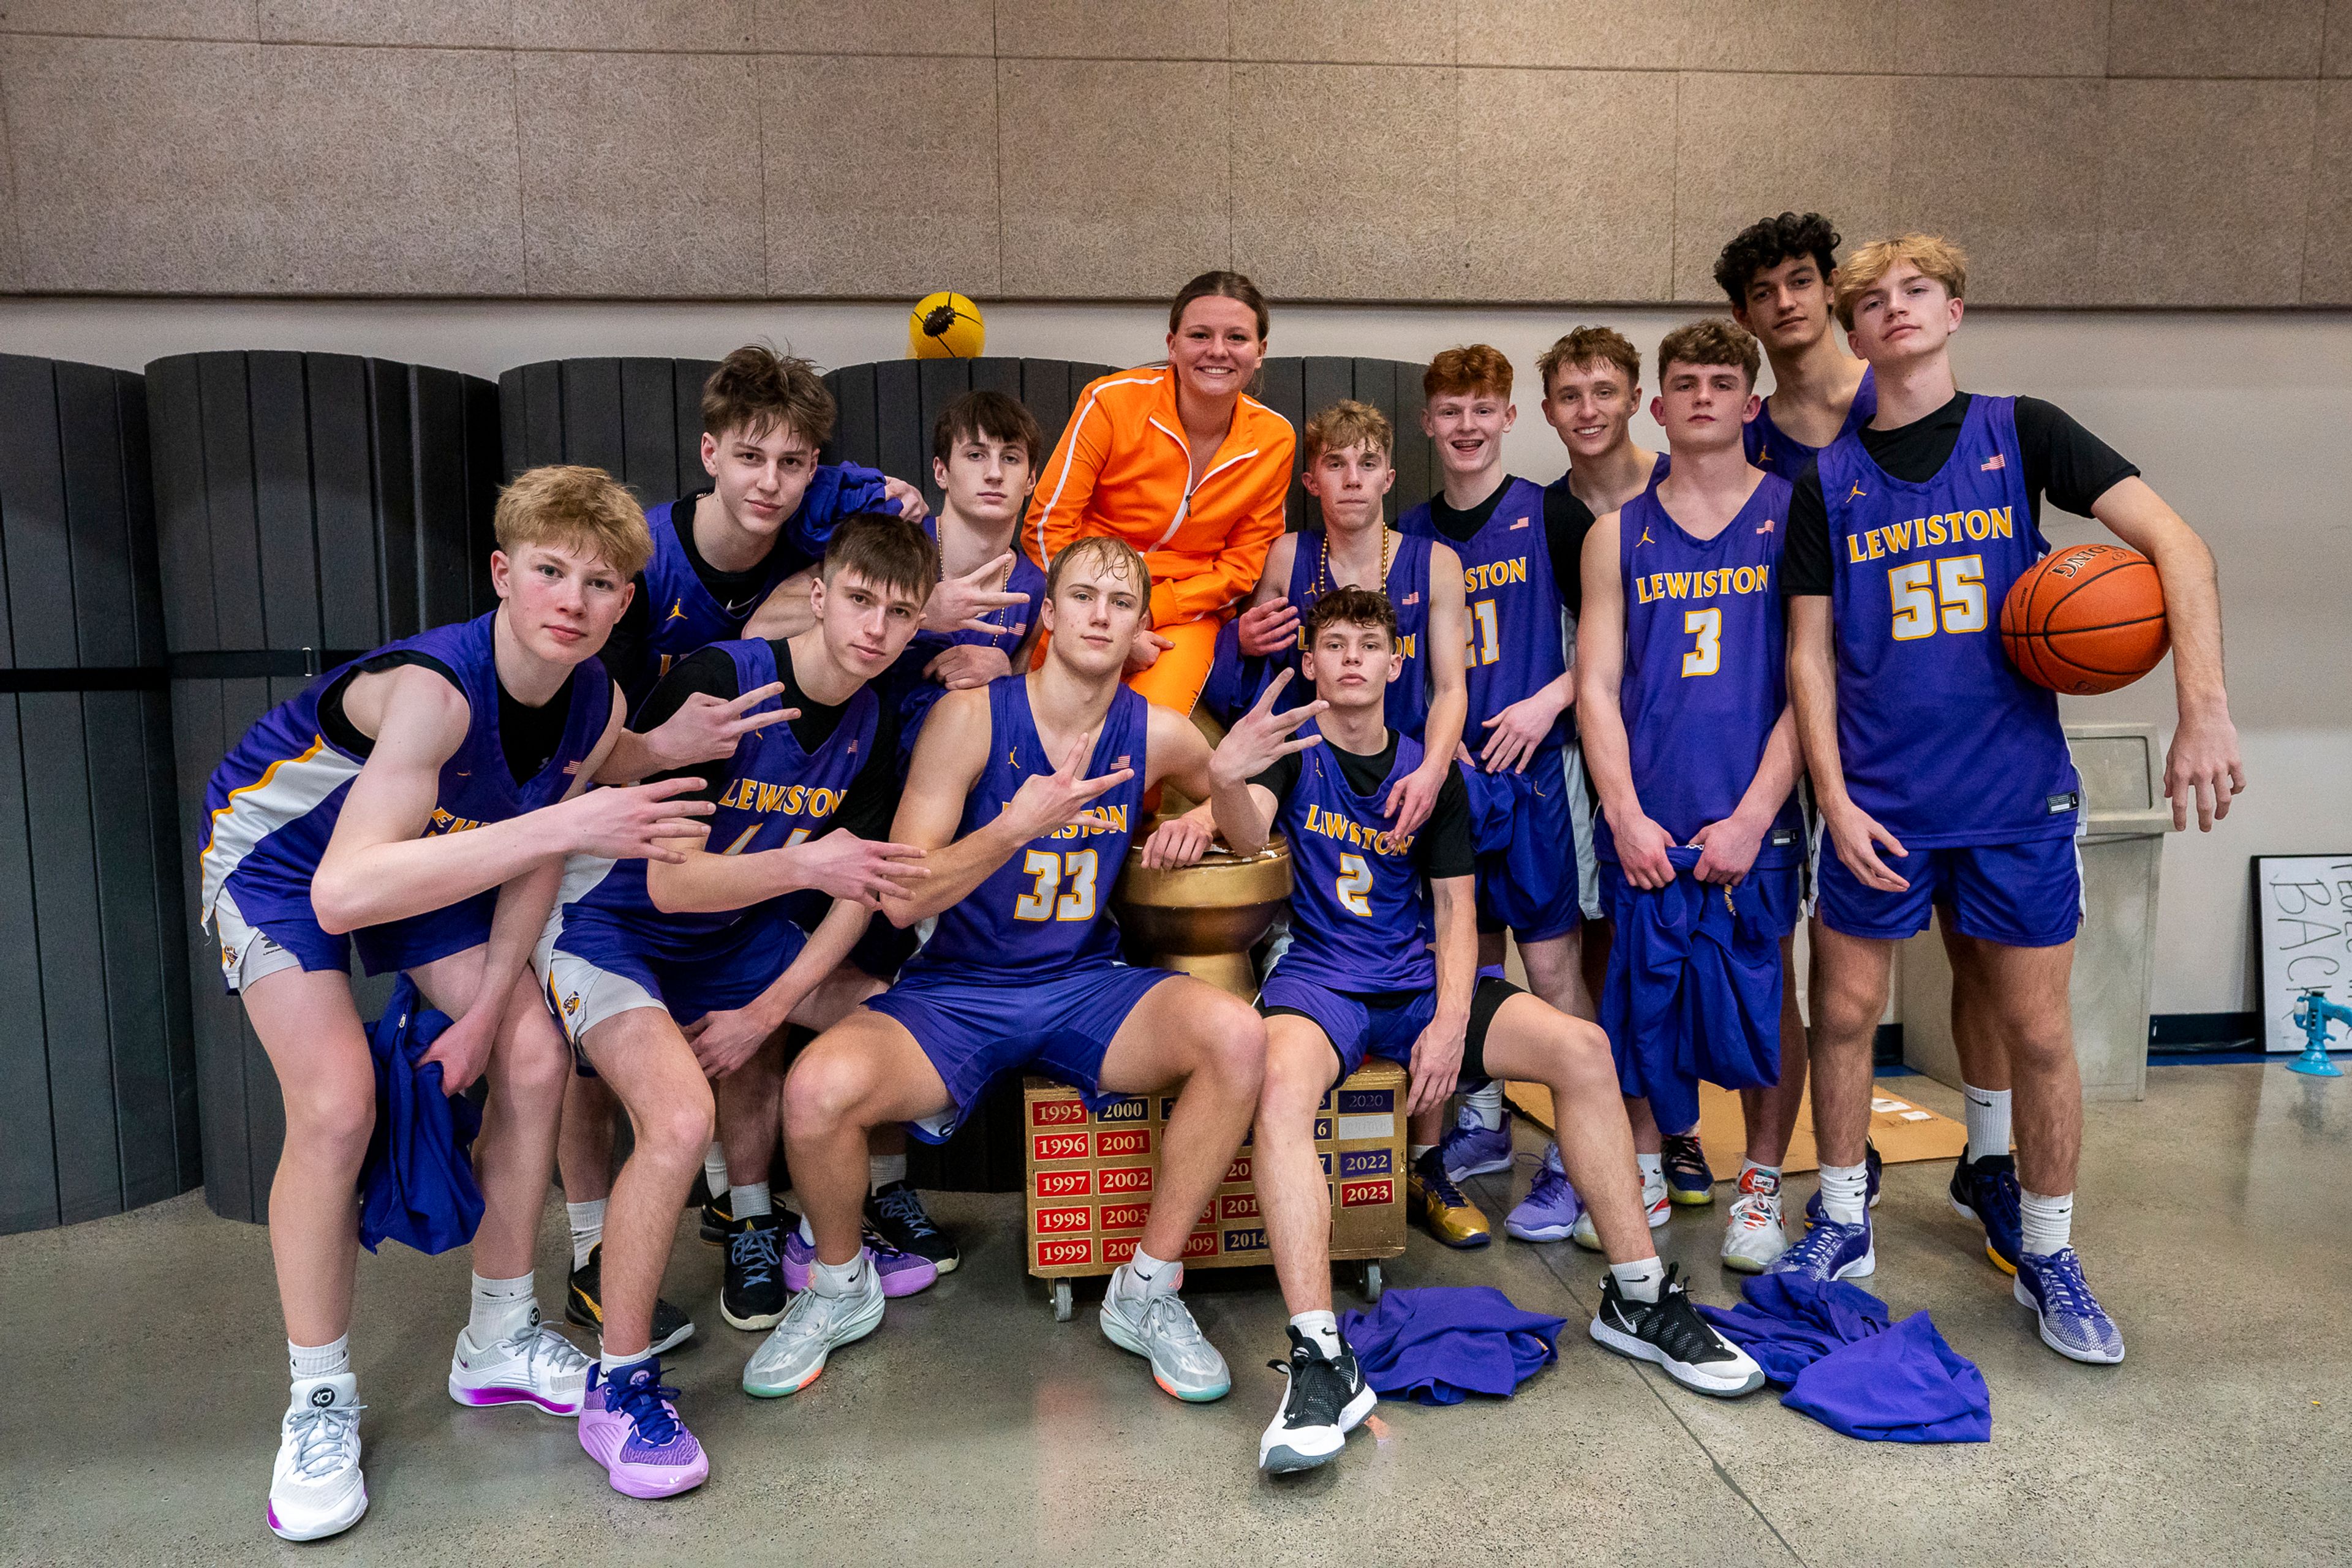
<point x="2181" y="152"/>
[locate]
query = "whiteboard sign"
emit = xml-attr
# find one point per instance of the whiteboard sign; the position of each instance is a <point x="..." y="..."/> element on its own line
<point x="2303" y="936"/>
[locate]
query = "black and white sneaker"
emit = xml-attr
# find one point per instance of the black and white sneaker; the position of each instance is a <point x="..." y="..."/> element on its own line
<point x="1325" y="1400"/>
<point x="897" y="1213"/>
<point x="753" y="1295"/>
<point x="1669" y="1332"/>
<point x="584" y="1303"/>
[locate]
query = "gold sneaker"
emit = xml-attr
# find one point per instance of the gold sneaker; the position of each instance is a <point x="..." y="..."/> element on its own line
<point x="1451" y="1218"/>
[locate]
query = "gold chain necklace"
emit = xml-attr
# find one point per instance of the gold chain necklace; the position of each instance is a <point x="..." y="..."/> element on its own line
<point x="1323" y="565"/>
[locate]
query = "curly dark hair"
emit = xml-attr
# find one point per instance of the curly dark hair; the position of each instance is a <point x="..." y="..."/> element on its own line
<point x="1766" y="243"/>
<point x="1349" y="607"/>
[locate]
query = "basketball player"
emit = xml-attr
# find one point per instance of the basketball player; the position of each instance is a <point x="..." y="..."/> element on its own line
<point x="670" y="977"/>
<point x="1359" y="978"/>
<point x="1515" y="562"/>
<point x="417" y="803"/>
<point x="1942" y="776"/>
<point x="1683" y="710"/>
<point x="1023" y="797"/>
<point x="1779" y="274"/>
<point x="1349" y="469"/>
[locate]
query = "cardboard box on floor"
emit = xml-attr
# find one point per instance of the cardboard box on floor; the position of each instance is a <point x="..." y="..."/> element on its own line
<point x="1090" y="1177"/>
<point x="1902" y="1128"/>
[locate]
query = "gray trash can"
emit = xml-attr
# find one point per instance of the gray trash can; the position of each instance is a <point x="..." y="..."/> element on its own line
<point x="2123" y="855"/>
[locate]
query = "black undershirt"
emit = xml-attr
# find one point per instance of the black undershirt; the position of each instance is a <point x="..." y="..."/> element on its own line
<point x="528" y="736"/>
<point x="873" y="795"/>
<point x="1563" y="537"/>
<point x="2062" y="460"/>
<point x="624" y="652"/>
<point x="1443" y="846"/>
<point x="1566" y="520"/>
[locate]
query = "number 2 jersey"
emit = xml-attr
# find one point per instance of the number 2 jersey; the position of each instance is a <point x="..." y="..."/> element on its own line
<point x="1048" y="908"/>
<point x="1705" y="674"/>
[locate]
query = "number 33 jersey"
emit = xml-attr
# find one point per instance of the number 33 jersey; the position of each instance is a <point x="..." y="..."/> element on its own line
<point x="1705" y="665"/>
<point x="1941" y="739"/>
<point x="1048" y="908"/>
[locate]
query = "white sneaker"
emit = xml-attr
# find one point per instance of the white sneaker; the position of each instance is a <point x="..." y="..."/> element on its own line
<point x="316" y="1489"/>
<point x="815" y="1326"/>
<point x="535" y="1364"/>
<point x="1654" y="1200"/>
<point x="1755" y="1234"/>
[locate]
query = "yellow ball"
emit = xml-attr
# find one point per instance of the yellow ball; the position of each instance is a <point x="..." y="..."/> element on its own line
<point x="944" y="325"/>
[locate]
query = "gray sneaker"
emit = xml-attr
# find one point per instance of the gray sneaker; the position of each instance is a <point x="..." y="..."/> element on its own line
<point x="793" y="1354"/>
<point x="1162" y="1329"/>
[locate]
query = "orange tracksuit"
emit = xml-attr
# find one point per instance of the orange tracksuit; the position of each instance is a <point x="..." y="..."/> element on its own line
<point x="1122" y="468"/>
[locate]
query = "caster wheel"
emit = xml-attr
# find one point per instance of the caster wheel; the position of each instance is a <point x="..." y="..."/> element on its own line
<point x="1062" y="1308"/>
<point x="1372" y="1286"/>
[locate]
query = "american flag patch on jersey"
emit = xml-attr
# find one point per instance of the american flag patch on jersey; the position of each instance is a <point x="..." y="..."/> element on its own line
<point x="1997" y="460"/>
<point x="1410" y="599"/>
<point x="1521" y="523"/>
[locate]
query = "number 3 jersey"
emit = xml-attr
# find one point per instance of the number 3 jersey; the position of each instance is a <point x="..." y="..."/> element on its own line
<point x="1048" y="908"/>
<point x="1705" y="665"/>
<point x="1941" y="739"/>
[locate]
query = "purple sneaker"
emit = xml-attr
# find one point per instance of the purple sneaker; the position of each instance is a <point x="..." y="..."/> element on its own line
<point x="1830" y="1251"/>
<point x="1473" y="1150"/>
<point x="2072" y="1322"/>
<point x="901" y="1273"/>
<point x="629" y="1427"/>
<point x="1549" y="1211"/>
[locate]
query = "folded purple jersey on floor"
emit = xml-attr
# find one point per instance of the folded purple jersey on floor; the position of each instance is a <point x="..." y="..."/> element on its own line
<point x="1440" y="1344"/>
<point x="417" y="1185"/>
<point x="1830" y="1344"/>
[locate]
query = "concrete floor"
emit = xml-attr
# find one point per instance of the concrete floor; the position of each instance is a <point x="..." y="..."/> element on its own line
<point x="147" y="1374"/>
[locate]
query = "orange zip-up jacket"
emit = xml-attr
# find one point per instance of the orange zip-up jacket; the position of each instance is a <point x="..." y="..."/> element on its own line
<point x="1122" y="468"/>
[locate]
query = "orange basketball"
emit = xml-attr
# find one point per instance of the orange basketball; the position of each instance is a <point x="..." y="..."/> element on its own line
<point x="2086" y="618"/>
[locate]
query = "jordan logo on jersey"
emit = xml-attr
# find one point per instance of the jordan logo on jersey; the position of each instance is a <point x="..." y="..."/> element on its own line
<point x="1644" y="538"/>
<point x="678" y="610"/>
<point x="1856" y="493"/>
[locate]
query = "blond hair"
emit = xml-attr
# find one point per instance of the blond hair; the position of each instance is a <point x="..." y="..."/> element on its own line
<point x="1115" y="555"/>
<point x="569" y="506"/>
<point x="1346" y="424"/>
<point x="1934" y="256"/>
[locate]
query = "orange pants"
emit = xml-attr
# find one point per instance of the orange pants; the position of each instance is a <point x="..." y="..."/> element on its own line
<point x="1175" y="679"/>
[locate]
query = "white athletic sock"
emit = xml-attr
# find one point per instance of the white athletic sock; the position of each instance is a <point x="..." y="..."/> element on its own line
<point x="839" y="1279"/>
<point x="1321" y="1329"/>
<point x="587" y="1230"/>
<point x="501" y="1307"/>
<point x="1654" y="1167"/>
<point x="750" y="1200"/>
<point x="612" y="1363"/>
<point x="714" y="1168"/>
<point x="1746" y="1165"/>
<point x="1639" y="1281"/>
<point x="2046" y="1225"/>
<point x="1150" y="1276"/>
<point x="1845" y="1193"/>
<point x="1485" y="1104"/>
<point x="1987" y="1119"/>
<point x="329" y="1359"/>
<point x="881" y="1170"/>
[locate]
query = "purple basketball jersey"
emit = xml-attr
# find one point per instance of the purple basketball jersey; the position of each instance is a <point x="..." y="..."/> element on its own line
<point x="1357" y="901"/>
<point x="1776" y="452"/>
<point x="1517" y="640"/>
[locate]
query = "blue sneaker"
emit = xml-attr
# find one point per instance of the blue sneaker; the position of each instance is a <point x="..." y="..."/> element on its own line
<point x="1552" y="1206"/>
<point x="2072" y="1322"/>
<point x="1871" y="1163"/>
<point x="1473" y="1150"/>
<point x="1986" y="1192"/>
<point x="1830" y="1251"/>
<point x="1688" y="1179"/>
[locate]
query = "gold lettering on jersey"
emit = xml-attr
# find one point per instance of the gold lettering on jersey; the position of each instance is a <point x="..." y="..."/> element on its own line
<point x="1331" y="824"/>
<point x="793" y="800"/>
<point x="1406" y="641"/>
<point x="1926" y="532"/>
<point x="444" y="823"/>
<point x="1495" y="574"/>
<point x="1712" y="584"/>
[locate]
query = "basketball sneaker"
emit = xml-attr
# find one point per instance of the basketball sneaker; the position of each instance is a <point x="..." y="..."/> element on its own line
<point x="1451" y="1218"/>
<point x="901" y="1273"/>
<point x="630" y="1427"/>
<point x="897" y="1215"/>
<point x="1986" y="1192"/>
<point x="584" y="1303"/>
<point x="1655" y="1204"/>
<point x="1872" y="1166"/>
<point x="1688" y="1180"/>
<point x="2072" y="1322"/>
<point x="718" y="1218"/>
<point x="1754" y="1236"/>
<point x="534" y="1365"/>
<point x="1473" y="1149"/>
<point x="813" y="1326"/>
<point x="1551" y="1208"/>
<point x="1669" y="1332"/>
<point x="752" y="1296"/>
<point x="315" y="1488"/>
<point x="1323" y="1400"/>
<point x="1160" y="1327"/>
<point x="1831" y="1251"/>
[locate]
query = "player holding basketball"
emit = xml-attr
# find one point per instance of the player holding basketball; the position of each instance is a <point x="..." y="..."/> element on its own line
<point x="417" y="803"/>
<point x="1779" y="274"/>
<point x="1942" y="774"/>
<point x="1359" y="978"/>
<point x="1684" y="709"/>
<point x="1024" y="795"/>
